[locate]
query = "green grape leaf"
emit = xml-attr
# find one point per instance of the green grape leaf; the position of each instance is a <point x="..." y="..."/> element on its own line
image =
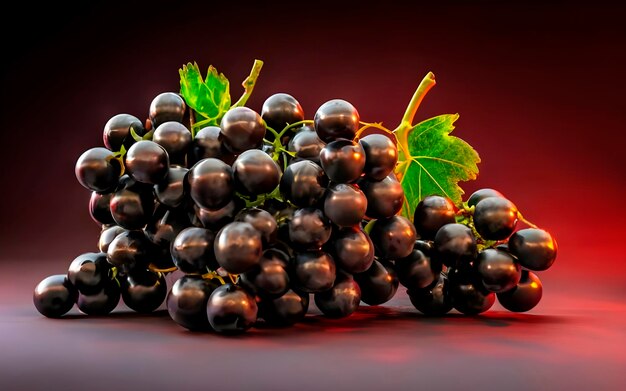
<point x="436" y="164"/>
<point x="209" y="98"/>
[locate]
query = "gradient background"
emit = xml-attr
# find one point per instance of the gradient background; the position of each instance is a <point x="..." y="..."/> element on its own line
<point x="540" y="90"/>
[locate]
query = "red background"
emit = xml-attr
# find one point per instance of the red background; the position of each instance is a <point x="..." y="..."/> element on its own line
<point x="540" y="90"/>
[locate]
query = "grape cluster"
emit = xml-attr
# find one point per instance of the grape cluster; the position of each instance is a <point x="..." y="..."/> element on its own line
<point x="266" y="209"/>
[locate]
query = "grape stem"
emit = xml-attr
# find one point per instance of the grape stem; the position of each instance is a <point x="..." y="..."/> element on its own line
<point x="249" y="83"/>
<point x="367" y="125"/>
<point x="528" y="223"/>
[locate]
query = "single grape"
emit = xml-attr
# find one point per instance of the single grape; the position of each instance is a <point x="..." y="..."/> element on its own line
<point x="378" y="284"/>
<point x="192" y="250"/>
<point x="129" y="250"/>
<point x="341" y="300"/>
<point x="498" y="270"/>
<point x="345" y="205"/>
<point x="187" y="301"/>
<point x="107" y="235"/>
<point x="353" y="250"/>
<point x="102" y="302"/>
<point x="171" y="191"/>
<point x="434" y="300"/>
<point x="165" y="107"/>
<point x="309" y="229"/>
<point x="262" y="221"/>
<point x="313" y="271"/>
<point x="99" y="208"/>
<point x="162" y="232"/>
<point x="216" y="219"/>
<point x="419" y="269"/>
<point x="132" y="206"/>
<point x="384" y="198"/>
<point x="231" y="309"/>
<point x="269" y="279"/>
<point x="285" y="310"/>
<point x="336" y="119"/>
<point x="238" y="247"/>
<point x="211" y="183"/>
<point x="495" y="218"/>
<point x="303" y="183"/>
<point x="54" y="296"/>
<point x="393" y="237"/>
<point x="523" y="297"/>
<point x="255" y="173"/>
<point x="117" y="131"/>
<point x="280" y="110"/>
<point x="343" y="160"/>
<point x="306" y="145"/>
<point x="97" y="169"/>
<point x="147" y="162"/>
<point x="534" y="248"/>
<point x="242" y="129"/>
<point x="381" y="156"/>
<point x="175" y="138"/>
<point x="481" y="194"/>
<point x="432" y="213"/>
<point x="89" y="272"/>
<point x="455" y="245"/>
<point x="468" y="295"/>
<point x="143" y="290"/>
<point x="207" y="143"/>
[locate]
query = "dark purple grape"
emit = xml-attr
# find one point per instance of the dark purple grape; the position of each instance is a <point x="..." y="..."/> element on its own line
<point x="495" y="218"/>
<point x="117" y="131"/>
<point x="107" y="235"/>
<point x="498" y="270"/>
<point x="231" y="309"/>
<point x="314" y="271"/>
<point x="455" y="245"/>
<point x="393" y="237"/>
<point x="132" y="206"/>
<point x="306" y="145"/>
<point x="147" y="162"/>
<point x="341" y="300"/>
<point x="175" y="138"/>
<point x="353" y="250"/>
<point x="262" y="221"/>
<point x="269" y="279"/>
<point x="523" y="297"/>
<point x="187" y="301"/>
<point x="171" y="191"/>
<point x="129" y="250"/>
<point x="434" y="300"/>
<point x="280" y="110"/>
<point x="418" y="270"/>
<point x="102" y="302"/>
<point x="216" y="219"/>
<point x="534" y="248"/>
<point x="381" y="156"/>
<point x="345" y="205"/>
<point x="303" y="183"/>
<point x="99" y="208"/>
<point x="54" y="296"/>
<point x="468" y="295"/>
<point x="481" y="194"/>
<point x="255" y="173"/>
<point x="192" y="250"/>
<point x="285" y="310"/>
<point x="143" y="291"/>
<point x="97" y="169"/>
<point x="343" y="160"/>
<point x="211" y="183"/>
<point x="242" y="129"/>
<point x="89" y="272"/>
<point x="378" y="284"/>
<point x="238" y="247"/>
<point x="309" y="229"/>
<point x="432" y="213"/>
<point x="336" y="119"/>
<point x="163" y="232"/>
<point x="208" y="143"/>
<point x="165" y="107"/>
<point x="384" y="198"/>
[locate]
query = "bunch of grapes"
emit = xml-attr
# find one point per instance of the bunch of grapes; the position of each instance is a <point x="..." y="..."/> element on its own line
<point x="266" y="209"/>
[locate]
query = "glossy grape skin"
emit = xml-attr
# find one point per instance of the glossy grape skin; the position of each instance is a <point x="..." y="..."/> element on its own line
<point x="207" y="143"/>
<point x="102" y="302"/>
<point x="393" y="237"/>
<point x="175" y="138"/>
<point x="211" y="183"/>
<point x="313" y="271"/>
<point x="341" y="300"/>
<point x="187" y="302"/>
<point x="468" y="295"/>
<point x="495" y="218"/>
<point x="192" y="250"/>
<point x="306" y="145"/>
<point x="523" y="297"/>
<point x="242" y="129"/>
<point x="534" y="248"/>
<point x="269" y="279"/>
<point x="419" y="269"/>
<point x="89" y="272"/>
<point x="381" y="156"/>
<point x="147" y="162"/>
<point x="336" y="119"/>
<point x="238" y="247"/>
<point x="434" y="300"/>
<point x="99" y="208"/>
<point x="280" y="110"/>
<point x="262" y="221"/>
<point x="255" y="173"/>
<point x="343" y="160"/>
<point x="54" y="296"/>
<point x="117" y="131"/>
<point x="353" y="250"/>
<point x="432" y="213"/>
<point x="345" y="205"/>
<point x="285" y="310"/>
<point x="165" y="107"/>
<point x="107" y="235"/>
<point x="231" y="309"/>
<point x="98" y="170"/>
<point x="132" y="206"/>
<point x="384" y="198"/>
<point x="309" y="229"/>
<point x="455" y="245"/>
<point x="216" y="219"/>
<point x="498" y="270"/>
<point x="129" y="250"/>
<point x="378" y="284"/>
<point x="162" y="232"/>
<point x="303" y="183"/>
<point x="171" y="191"/>
<point x="481" y="194"/>
<point x="143" y="291"/>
